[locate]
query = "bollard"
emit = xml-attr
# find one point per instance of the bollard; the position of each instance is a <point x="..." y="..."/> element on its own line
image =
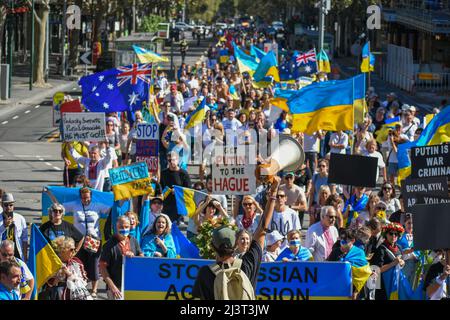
<point x="4" y="81"/>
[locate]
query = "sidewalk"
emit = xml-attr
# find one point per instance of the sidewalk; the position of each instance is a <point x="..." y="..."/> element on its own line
<point x="425" y="101"/>
<point x="21" y="95"/>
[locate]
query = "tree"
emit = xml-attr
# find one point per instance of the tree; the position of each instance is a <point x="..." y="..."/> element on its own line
<point x="150" y="23"/>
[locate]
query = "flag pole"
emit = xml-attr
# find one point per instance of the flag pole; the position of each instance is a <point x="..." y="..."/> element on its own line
<point x="368" y="78"/>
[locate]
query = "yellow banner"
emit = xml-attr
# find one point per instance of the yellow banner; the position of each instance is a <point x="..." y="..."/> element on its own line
<point x="132" y="189"/>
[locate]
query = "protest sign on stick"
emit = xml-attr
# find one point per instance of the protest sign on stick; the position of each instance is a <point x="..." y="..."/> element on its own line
<point x="431" y="226"/>
<point x="84" y="126"/>
<point x="353" y="170"/>
<point x="424" y="190"/>
<point x="147" y="145"/>
<point x="130" y="181"/>
<point x="430" y="161"/>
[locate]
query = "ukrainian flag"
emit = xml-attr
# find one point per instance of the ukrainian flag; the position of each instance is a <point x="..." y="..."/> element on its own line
<point x="268" y="67"/>
<point x="148" y="56"/>
<point x="257" y="53"/>
<point x="323" y="62"/>
<point x="368" y="60"/>
<point x="43" y="261"/>
<point x="187" y="200"/>
<point x="383" y="132"/>
<point x="326" y="105"/>
<point x="233" y="92"/>
<point x="184" y="248"/>
<point x="281" y="98"/>
<point x="360" y="267"/>
<point x="398" y="287"/>
<point x="436" y="132"/>
<point x="245" y="62"/>
<point x="166" y="192"/>
<point x="197" y="116"/>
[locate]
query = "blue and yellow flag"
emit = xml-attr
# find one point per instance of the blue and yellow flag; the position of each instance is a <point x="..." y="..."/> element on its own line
<point x="268" y="67"/>
<point x="233" y="92"/>
<point x="245" y="62"/>
<point x="383" y="132"/>
<point x="436" y="132"/>
<point x="197" y="116"/>
<point x="368" y="59"/>
<point x="185" y="248"/>
<point x="148" y="56"/>
<point x="360" y="267"/>
<point x="187" y="200"/>
<point x="43" y="261"/>
<point x="257" y="52"/>
<point x="323" y="62"/>
<point x="326" y="105"/>
<point x="398" y="287"/>
<point x="281" y="98"/>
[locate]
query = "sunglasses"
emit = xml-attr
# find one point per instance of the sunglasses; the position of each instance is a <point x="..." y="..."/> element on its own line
<point x="387" y="188"/>
<point x="57" y="210"/>
<point x="393" y="234"/>
<point x="8" y="204"/>
<point x="380" y="208"/>
<point x="322" y="166"/>
<point x="281" y="195"/>
<point x="331" y="217"/>
<point x="6" y="255"/>
<point x="248" y="204"/>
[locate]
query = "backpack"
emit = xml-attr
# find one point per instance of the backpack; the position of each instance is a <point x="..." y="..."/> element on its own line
<point x="232" y="283"/>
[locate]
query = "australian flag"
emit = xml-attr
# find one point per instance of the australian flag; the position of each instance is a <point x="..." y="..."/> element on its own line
<point x="299" y="65"/>
<point x="119" y="89"/>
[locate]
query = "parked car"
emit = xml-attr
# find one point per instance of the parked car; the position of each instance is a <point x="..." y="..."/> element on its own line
<point x="182" y="26"/>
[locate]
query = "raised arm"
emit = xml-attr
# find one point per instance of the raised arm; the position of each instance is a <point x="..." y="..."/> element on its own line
<point x="266" y="217"/>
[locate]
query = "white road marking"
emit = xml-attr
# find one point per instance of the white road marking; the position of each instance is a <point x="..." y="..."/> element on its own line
<point x="15" y="117"/>
<point x="49" y="164"/>
<point x="4" y="122"/>
<point x="40" y="159"/>
<point x="28" y="111"/>
<point x="56" y="168"/>
<point x="1" y="156"/>
<point x="37" y="106"/>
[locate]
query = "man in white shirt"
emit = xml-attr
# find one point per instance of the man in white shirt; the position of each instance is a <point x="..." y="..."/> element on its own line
<point x="322" y="235"/>
<point x="193" y="82"/>
<point x="95" y="167"/>
<point x="13" y="226"/>
<point x="284" y="218"/>
<point x="409" y="126"/>
<point x="27" y="279"/>
<point x="338" y="142"/>
<point x="231" y="126"/>
<point x="371" y="151"/>
<point x="175" y="98"/>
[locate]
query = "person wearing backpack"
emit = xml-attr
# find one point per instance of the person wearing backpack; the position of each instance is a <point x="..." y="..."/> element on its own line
<point x="231" y="278"/>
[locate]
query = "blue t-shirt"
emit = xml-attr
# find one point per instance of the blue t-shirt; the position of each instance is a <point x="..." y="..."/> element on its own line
<point x="6" y="294"/>
<point x="302" y="255"/>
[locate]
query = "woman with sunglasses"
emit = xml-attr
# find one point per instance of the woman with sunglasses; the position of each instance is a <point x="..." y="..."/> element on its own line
<point x="69" y="283"/>
<point x="249" y="220"/>
<point x="388" y="196"/>
<point x="56" y="227"/>
<point x="388" y="255"/>
<point x="314" y="210"/>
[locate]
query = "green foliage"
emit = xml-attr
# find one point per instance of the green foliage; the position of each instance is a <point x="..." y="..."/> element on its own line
<point x="150" y="23"/>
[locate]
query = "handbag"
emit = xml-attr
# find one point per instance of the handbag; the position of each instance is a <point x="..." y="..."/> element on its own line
<point x="91" y="243"/>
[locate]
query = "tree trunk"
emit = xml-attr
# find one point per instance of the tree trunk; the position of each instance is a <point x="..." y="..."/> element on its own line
<point x="40" y="36"/>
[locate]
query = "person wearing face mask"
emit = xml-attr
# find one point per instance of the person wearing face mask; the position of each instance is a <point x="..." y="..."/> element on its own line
<point x="295" y="251"/>
<point x="120" y="245"/>
<point x="158" y="241"/>
<point x="322" y="235"/>
<point x="347" y="251"/>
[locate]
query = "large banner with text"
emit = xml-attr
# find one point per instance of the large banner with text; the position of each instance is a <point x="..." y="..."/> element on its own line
<point x="173" y="279"/>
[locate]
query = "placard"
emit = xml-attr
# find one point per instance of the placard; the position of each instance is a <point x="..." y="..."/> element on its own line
<point x="431" y="226"/>
<point x="130" y="181"/>
<point x="58" y="98"/>
<point x="84" y="126"/>
<point x="147" y="131"/>
<point x="430" y="161"/>
<point x="353" y="170"/>
<point x="425" y="188"/>
<point x="173" y="279"/>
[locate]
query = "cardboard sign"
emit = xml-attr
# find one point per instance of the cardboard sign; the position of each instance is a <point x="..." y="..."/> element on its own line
<point x="353" y="170"/>
<point x="173" y="279"/>
<point x="431" y="225"/>
<point x="427" y="199"/>
<point x="58" y="98"/>
<point x="413" y="189"/>
<point x="430" y="161"/>
<point x="147" y="145"/>
<point x="84" y="126"/>
<point x="71" y="106"/>
<point x="130" y="181"/>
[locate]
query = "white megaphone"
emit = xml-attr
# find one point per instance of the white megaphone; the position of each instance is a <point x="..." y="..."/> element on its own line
<point x="288" y="156"/>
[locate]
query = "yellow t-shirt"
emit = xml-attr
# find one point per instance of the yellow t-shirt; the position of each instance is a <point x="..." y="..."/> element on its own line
<point x="78" y="147"/>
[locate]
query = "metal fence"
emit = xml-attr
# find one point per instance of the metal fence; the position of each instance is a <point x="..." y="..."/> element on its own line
<point x="434" y="82"/>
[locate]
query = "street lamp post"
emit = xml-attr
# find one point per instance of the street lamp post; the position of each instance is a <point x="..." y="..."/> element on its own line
<point x="63" y="58"/>
<point x="10" y="44"/>
<point x="172" y="39"/>
<point x="32" y="47"/>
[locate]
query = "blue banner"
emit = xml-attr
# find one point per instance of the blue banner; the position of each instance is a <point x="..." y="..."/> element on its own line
<point x="173" y="279"/>
<point x="129" y="173"/>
